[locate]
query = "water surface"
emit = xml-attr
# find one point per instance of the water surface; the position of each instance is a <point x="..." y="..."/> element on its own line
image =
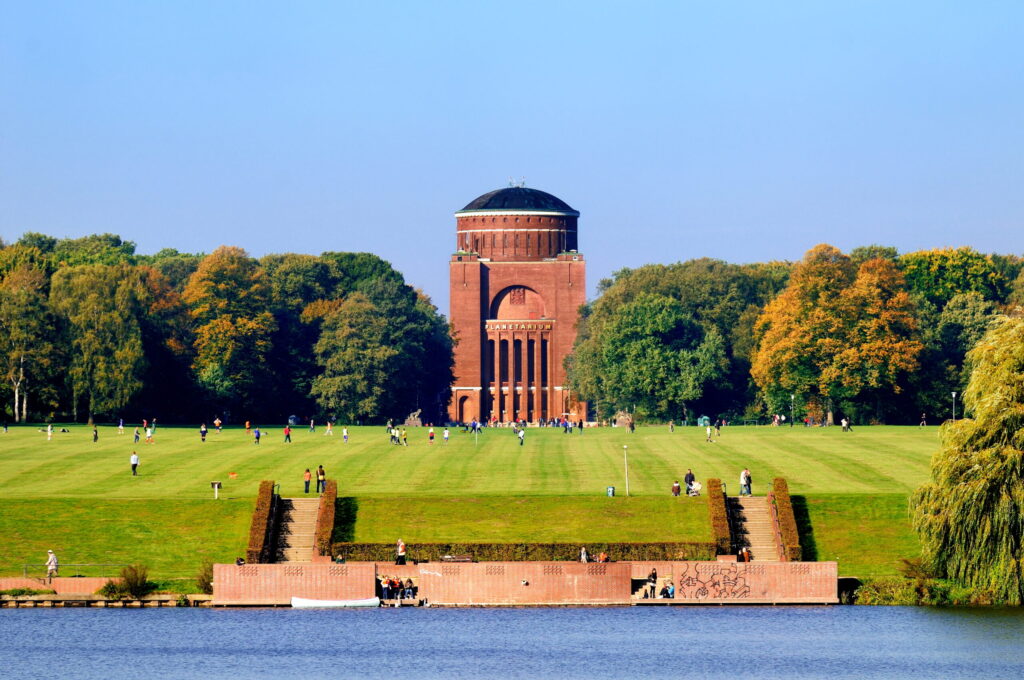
<point x="749" y="642"/>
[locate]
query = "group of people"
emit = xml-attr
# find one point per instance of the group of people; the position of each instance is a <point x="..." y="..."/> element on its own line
<point x="321" y="479"/>
<point x="393" y="588"/>
<point x="717" y="429"/>
<point x="650" y="589"/>
<point x="400" y="436"/>
<point x="585" y="556"/>
<point x="693" y="487"/>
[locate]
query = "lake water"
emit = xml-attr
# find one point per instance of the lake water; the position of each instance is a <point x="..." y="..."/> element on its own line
<point x="748" y="642"/>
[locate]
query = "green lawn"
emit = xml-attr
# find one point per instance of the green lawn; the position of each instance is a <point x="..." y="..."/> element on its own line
<point x="84" y="501"/>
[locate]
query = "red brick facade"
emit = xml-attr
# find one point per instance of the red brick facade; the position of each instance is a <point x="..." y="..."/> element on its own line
<point x="533" y="583"/>
<point x="517" y="282"/>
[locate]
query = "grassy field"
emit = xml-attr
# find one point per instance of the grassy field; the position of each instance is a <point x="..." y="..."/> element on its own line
<point x="79" y="497"/>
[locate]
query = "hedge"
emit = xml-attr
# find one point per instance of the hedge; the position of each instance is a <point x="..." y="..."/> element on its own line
<point x="325" y="518"/>
<point x="787" y="520"/>
<point x="260" y="522"/>
<point x="525" y="552"/>
<point x="720" y="532"/>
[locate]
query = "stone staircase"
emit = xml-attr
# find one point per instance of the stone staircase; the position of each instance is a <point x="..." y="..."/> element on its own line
<point x="297" y="529"/>
<point x="752" y="527"/>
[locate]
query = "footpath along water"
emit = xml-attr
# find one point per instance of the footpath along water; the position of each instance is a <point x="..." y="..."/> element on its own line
<point x="748" y="642"/>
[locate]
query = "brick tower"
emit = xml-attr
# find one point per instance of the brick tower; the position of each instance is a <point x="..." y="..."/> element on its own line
<point x="517" y="282"/>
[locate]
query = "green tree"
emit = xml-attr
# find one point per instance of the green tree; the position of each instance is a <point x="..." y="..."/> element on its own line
<point x="652" y="356"/>
<point x="354" y="358"/>
<point x="106" y="249"/>
<point x="100" y="307"/>
<point x="970" y="515"/>
<point x="862" y="254"/>
<point x="938" y="275"/>
<point x="26" y="335"/>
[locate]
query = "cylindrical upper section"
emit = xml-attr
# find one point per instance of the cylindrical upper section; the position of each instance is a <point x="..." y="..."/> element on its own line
<point x="516" y="223"/>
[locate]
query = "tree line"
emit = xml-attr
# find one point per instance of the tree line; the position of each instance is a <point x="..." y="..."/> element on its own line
<point x="89" y="328"/>
<point x="874" y="335"/>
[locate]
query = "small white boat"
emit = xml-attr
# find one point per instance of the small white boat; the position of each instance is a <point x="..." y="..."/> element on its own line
<point x="305" y="603"/>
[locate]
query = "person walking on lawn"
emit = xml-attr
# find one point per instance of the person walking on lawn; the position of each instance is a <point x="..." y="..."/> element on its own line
<point x="135" y="464"/>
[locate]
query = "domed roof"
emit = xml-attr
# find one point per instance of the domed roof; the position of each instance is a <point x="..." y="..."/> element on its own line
<point x="519" y="199"/>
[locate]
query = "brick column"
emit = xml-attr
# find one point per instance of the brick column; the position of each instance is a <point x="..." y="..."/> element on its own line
<point x="496" y="410"/>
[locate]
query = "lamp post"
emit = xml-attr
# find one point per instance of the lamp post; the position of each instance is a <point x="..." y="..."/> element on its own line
<point x="792" y="409"/>
<point x="954" y="407"/>
<point x="625" y="460"/>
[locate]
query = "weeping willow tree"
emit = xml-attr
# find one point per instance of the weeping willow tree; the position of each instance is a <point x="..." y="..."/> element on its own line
<point x="971" y="515"/>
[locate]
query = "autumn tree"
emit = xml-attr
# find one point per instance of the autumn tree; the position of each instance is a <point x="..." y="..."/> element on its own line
<point x="970" y="515"/>
<point x="836" y="333"/>
<point x="228" y="300"/>
<point x="27" y="347"/>
<point x="99" y="306"/>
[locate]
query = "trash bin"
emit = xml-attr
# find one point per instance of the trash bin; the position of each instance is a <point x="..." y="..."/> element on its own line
<point x="611" y="492"/>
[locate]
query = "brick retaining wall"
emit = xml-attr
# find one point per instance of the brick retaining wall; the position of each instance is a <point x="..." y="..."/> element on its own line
<point x="62" y="585"/>
<point x="555" y="583"/>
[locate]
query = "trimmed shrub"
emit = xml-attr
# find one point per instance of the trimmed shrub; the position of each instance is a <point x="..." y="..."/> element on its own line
<point x="787" y="520"/>
<point x="526" y="552"/>
<point x="325" y="518"/>
<point x="260" y="522"/>
<point x="720" y="532"/>
<point x="204" y="578"/>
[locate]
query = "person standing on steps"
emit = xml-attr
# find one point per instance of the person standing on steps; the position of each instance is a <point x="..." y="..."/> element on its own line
<point x="400" y="553"/>
<point x="745" y="481"/>
<point x="321" y="479"/>
<point x="134" y="460"/>
<point x="306" y="476"/>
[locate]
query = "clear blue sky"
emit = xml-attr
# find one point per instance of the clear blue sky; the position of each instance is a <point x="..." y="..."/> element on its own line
<point x="743" y="131"/>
